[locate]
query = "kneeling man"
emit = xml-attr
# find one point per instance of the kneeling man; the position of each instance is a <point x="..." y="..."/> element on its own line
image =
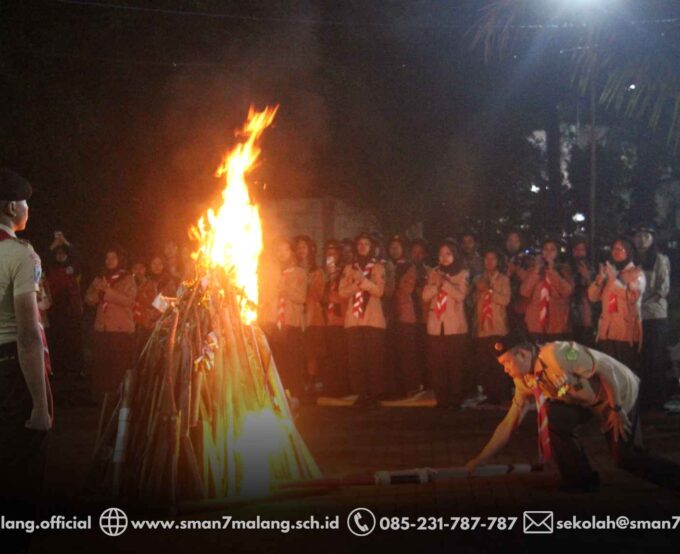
<point x="569" y="384"/>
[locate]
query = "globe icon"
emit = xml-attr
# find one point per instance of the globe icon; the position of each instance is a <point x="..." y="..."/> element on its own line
<point x="113" y="522"/>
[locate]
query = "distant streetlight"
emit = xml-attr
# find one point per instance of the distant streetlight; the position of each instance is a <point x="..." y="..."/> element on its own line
<point x="535" y="189"/>
<point x="578" y="218"/>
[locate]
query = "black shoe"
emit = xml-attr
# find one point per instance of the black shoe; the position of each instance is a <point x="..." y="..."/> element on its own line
<point x="586" y="485"/>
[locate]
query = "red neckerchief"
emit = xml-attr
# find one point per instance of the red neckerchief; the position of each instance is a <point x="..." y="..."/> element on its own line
<point x="361" y="297"/>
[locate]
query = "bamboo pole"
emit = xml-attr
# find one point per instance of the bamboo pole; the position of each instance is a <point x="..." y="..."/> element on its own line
<point x="123" y="430"/>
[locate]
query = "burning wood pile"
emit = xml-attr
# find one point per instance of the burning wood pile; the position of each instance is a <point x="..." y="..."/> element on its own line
<point x="204" y="414"/>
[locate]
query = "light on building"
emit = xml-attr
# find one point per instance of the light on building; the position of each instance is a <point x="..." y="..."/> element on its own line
<point x="578" y="218"/>
<point x="535" y="189"/>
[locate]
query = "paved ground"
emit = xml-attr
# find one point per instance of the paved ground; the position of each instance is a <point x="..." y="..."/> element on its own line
<point x="346" y="441"/>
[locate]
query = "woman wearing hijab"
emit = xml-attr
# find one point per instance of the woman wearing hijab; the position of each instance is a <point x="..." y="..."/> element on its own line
<point x="362" y="286"/>
<point x="447" y="328"/>
<point x="619" y="285"/>
<point x="113" y="293"/>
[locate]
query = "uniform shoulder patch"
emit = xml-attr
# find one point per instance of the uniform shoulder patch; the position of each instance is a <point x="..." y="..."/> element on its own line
<point x="572" y="353"/>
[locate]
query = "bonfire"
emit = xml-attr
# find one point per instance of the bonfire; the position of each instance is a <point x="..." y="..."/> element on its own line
<point x="203" y="415"/>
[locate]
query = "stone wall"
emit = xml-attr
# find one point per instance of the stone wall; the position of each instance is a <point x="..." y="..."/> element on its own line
<point x="322" y="218"/>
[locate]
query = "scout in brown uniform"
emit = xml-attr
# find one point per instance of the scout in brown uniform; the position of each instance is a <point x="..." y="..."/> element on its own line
<point x="24" y="406"/>
<point x="362" y="286"/>
<point x="518" y="262"/>
<point x="114" y="294"/>
<point x="582" y="275"/>
<point x="422" y="308"/>
<point x="314" y="326"/>
<point x="491" y="297"/>
<point x="569" y="383"/>
<point x="548" y="291"/>
<point x="402" y="328"/>
<point x="447" y="328"/>
<point x="619" y="285"/>
<point x="283" y="294"/>
<point x="335" y="380"/>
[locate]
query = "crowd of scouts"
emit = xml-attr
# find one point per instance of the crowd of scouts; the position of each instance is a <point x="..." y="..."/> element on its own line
<point x="376" y="323"/>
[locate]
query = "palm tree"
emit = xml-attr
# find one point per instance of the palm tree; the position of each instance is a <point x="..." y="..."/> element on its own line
<point x="625" y="52"/>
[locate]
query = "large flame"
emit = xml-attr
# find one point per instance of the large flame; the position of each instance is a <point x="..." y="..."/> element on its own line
<point x="232" y="236"/>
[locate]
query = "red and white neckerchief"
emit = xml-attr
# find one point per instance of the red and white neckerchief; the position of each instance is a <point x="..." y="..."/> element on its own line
<point x="4" y="235"/>
<point x="281" y="309"/>
<point x="543" y="314"/>
<point x="544" y="446"/>
<point x="334" y="282"/>
<point x="612" y="304"/>
<point x="111" y="280"/>
<point x="487" y="309"/>
<point x="440" y="303"/>
<point x="360" y="298"/>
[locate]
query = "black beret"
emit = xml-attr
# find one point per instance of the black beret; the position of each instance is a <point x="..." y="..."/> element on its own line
<point x="508" y="342"/>
<point x="13" y="187"/>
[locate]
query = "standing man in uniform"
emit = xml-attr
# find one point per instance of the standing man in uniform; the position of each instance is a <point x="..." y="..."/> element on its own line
<point x="24" y="408"/>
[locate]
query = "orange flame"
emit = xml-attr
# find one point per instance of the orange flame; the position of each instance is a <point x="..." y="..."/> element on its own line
<point x="232" y="236"/>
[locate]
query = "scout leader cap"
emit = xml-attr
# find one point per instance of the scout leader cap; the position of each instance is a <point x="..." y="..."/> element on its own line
<point x="515" y="338"/>
<point x="13" y="187"/>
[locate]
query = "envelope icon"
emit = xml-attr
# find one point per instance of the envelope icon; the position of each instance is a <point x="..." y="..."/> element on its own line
<point x="538" y="523"/>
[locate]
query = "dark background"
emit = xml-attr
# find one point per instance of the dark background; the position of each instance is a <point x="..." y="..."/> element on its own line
<point x="120" y="117"/>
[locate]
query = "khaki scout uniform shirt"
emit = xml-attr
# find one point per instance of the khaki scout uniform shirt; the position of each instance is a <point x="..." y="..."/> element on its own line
<point x="20" y="272"/>
<point x="453" y="320"/>
<point x="290" y="284"/>
<point x="316" y="286"/>
<point x="624" y="324"/>
<point x="373" y="311"/>
<point x="500" y="298"/>
<point x="570" y="376"/>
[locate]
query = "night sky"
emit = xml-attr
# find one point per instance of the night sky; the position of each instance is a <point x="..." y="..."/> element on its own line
<point x="120" y="117"/>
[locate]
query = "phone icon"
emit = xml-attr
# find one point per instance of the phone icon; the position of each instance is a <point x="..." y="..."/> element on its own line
<point x="361" y="522"/>
<point x="357" y="520"/>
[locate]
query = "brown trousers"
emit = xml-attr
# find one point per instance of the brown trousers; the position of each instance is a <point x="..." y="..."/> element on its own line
<point x="403" y="363"/>
<point x="334" y="373"/>
<point x="366" y="360"/>
<point x="447" y="358"/>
